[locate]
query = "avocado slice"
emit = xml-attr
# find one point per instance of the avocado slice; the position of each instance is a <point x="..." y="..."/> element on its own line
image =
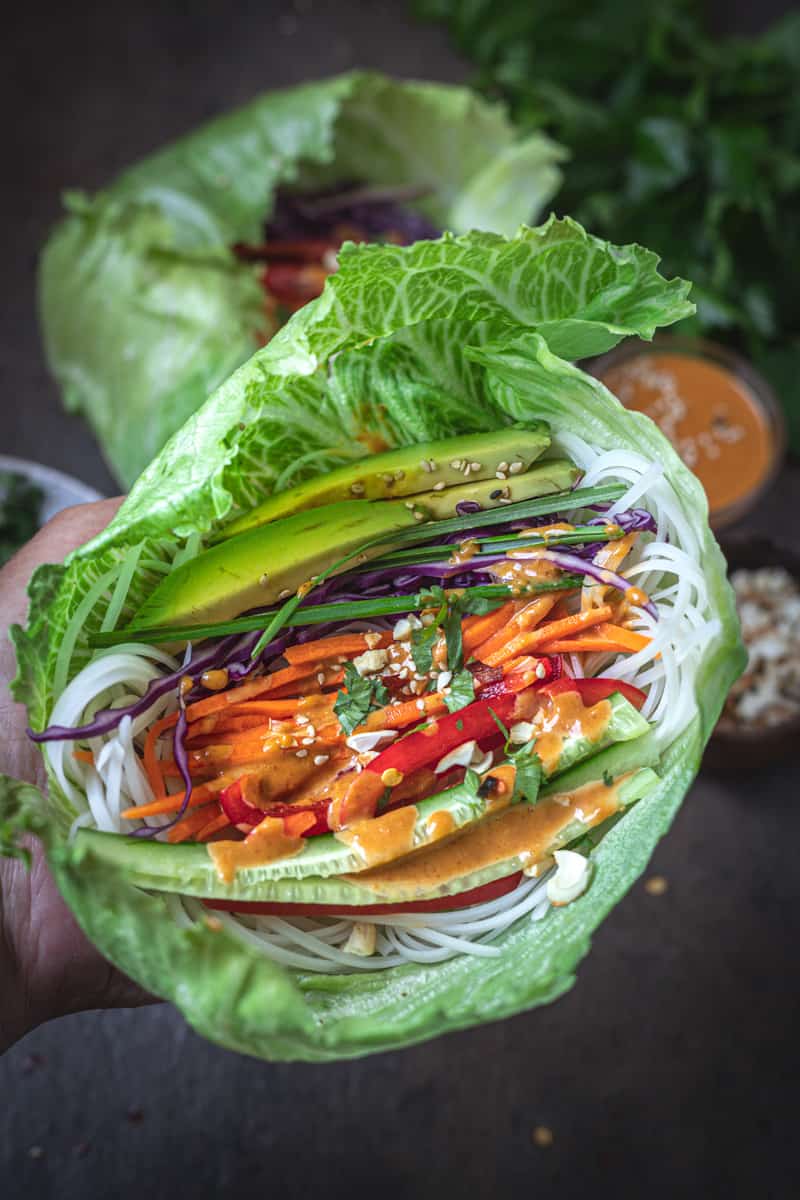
<point x="407" y="471"/>
<point x="545" y="479"/>
<point x="255" y="569"/>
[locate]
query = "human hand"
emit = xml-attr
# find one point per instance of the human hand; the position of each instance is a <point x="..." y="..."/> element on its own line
<point x="47" y="967"/>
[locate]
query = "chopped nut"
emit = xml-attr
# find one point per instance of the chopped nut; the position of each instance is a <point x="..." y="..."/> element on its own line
<point x="656" y="885"/>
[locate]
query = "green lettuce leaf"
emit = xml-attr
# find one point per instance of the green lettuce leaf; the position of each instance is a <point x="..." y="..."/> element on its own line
<point x="145" y="310"/>
<point x="462" y="334"/>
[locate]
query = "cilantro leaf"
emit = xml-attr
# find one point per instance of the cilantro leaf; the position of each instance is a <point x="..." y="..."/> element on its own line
<point x="461" y="692"/>
<point x="363" y="694"/>
<point x="528" y="777"/>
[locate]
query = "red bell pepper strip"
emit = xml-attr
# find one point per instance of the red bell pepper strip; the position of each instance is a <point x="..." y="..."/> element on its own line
<point x="477" y="895"/>
<point x="426" y="748"/>
<point x="242" y="814"/>
<point x="592" y="691"/>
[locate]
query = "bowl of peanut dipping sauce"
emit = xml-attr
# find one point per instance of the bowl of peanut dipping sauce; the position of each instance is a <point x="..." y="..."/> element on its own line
<point x="719" y="414"/>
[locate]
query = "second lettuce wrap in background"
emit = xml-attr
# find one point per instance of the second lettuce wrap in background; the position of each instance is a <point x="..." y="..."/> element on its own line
<point x="145" y="306"/>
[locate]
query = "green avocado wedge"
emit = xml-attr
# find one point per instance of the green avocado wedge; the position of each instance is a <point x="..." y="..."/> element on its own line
<point x="254" y="569"/>
<point x="407" y="471"/>
<point x="267" y="563"/>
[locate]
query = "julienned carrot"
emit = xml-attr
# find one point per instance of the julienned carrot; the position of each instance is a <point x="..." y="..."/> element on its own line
<point x="395" y="716"/>
<point x="602" y="637"/>
<point x="277" y="709"/>
<point x="343" y="645"/>
<point x="243" y="691"/>
<point x="476" y="630"/>
<point x="168" y="804"/>
<point x="85" y="756"/>
<point x="192" y="823"/>
<point x="152" y="769"/>
<point x="528" y="617"/>
<point x="308" y="684"/>
<point x="552" y="631"/>
<point x="213" y="826"/>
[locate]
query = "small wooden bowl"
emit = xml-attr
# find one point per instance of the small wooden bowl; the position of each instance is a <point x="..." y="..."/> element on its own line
<point x="738" y="747"/>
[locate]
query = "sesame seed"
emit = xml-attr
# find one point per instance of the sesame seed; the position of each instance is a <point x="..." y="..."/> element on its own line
<point x="285" y="594"/>
<point x="302" y="720"/>
<point x="476" y="466"/>
<point x="307" y="741"/>
<point x="321" y="677"/>
<point x="409" y="503"/>
<point x="440" y="486"/>
<point x="504" y="501"/>
<point x="426" y="466"/>
<point x="301" y="753"/>
<point x="418" y="516"/>
<point x="503" y="466"/>
<point x="263" y="579"/>
<point x="320" y="759"/>
<point x="456" y="464"/>
<point x="421" y="705"/>
<point x="310" y="731"/>
<point x="357" y="489"/>
<point x="500" y="475"/>
<point x="515" y="468"/>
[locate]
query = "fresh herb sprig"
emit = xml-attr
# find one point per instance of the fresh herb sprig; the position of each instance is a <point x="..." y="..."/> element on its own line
<point x="363" y="694"/>
<point x="679" y="138"/>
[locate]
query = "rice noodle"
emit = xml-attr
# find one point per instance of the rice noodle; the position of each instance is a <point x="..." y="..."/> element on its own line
<point x="666" y="565"/>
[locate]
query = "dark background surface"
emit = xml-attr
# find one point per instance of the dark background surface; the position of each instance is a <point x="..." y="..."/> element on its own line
<point x="670" y="1068"/>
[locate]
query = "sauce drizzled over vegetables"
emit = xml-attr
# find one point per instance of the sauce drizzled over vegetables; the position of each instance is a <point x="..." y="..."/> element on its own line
<point x="714" y="418"/>
<point x="267" y="843"/>
<point x="522" y="833"/>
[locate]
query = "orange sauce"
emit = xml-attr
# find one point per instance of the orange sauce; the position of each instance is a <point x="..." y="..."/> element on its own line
<point x="381" y="839"/>
<point x="267" y="843"/>
<point x="525" y="832"/>
<point x="713" y="419"/>
<point x="565" y="715"/>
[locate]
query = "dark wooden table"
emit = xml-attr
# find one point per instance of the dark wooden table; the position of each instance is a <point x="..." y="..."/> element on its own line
<point x="671" y="1067"/>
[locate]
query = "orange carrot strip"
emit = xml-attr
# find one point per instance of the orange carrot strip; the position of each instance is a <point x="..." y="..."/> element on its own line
<point x="527" y="618"/>
<point x="168" y="804"/>
<point x="243" y="691"/>
<point x="279" y="709"/>
<point x="343" y="645"/>
<point x="552" y="631"/>
<point x="603" y="637"/>
<point x="151" y="766"/>
<point x="83" y="756"/>
<point x="213" y="826"/>
<point x="191" y="823"/>
<point x="395" y="716"/>
<point x="476" y="630"/>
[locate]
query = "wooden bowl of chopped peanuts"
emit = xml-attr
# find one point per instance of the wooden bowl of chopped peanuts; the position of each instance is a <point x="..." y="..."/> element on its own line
<point x="760" y="723"/>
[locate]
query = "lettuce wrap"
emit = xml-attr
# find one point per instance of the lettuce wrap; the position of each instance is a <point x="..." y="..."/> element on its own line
<point x="145" y="308"/>
<point x="462" y="335"/>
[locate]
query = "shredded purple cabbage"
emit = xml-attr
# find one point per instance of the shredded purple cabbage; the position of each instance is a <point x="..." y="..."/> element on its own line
<point x="580" y="566"/>
<point x="375" y="211"/>
<point x="633" y="520"/>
